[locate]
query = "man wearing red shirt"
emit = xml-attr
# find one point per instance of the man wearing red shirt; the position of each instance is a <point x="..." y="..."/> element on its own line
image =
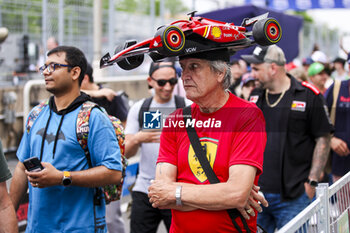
<point x="233" y="133"/>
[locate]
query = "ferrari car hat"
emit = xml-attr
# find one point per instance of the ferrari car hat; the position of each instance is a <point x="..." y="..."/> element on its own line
<point x="268" y="54"/>
<point x="315" y="68"/>
<point x="168" y="62"/>
<point x="211" y="55"/>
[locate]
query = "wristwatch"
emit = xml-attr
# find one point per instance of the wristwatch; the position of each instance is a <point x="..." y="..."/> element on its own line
<point x="178" y="195"/>
<point x="66" y="180"/>
<point x="312" y="183"/>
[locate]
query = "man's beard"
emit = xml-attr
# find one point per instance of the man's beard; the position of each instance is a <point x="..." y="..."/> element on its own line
<point x="58" y="90"/>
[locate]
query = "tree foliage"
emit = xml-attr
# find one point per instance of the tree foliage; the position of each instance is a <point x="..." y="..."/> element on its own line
<point x="306" y="17"/>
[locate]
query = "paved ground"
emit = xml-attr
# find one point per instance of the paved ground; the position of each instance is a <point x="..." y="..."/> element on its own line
<point x="12" y="161"/>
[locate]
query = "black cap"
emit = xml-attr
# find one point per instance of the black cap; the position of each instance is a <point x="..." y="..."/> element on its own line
<point x="269" y="54"/>
<point x="257" y="57"/>
<point x="211" y="55"/>
<point x="157" y="65"/>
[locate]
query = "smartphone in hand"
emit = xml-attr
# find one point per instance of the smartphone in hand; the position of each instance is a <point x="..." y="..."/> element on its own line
<point x="33" y="164"/>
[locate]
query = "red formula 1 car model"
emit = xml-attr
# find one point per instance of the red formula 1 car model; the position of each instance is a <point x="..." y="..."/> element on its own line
<point x="197" y="34"/>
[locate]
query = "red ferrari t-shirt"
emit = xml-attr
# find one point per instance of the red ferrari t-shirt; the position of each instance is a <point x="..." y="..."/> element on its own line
<point x="235" y="134"/>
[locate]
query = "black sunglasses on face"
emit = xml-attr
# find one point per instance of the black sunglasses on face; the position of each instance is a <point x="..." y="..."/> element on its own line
<point x="162" y="82"/>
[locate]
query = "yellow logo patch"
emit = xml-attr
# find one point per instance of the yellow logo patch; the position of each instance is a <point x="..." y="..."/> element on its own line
<point x="216" y="32"/>
<point x="211" y="146"/>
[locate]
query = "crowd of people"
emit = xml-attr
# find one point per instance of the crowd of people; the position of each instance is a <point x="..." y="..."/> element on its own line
<point x="274" y="127"/>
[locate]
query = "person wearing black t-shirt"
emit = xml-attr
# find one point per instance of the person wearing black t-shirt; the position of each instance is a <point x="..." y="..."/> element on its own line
<point x="298" y="137"/>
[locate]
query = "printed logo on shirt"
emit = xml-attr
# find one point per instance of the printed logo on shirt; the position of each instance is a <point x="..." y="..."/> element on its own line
<point x="298" y="106"/>
<point x="210" y="146"/>
<point x="152" y="120"/>
<point x="50" y="137"/>
<point x="344" y="99"/>
<point x="254" y="99"/>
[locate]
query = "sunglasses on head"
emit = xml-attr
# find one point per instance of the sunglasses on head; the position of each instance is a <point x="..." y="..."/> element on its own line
<point x="162" y="82"/>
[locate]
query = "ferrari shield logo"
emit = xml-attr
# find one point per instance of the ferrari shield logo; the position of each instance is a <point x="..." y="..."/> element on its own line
<point x="211" y="146"/>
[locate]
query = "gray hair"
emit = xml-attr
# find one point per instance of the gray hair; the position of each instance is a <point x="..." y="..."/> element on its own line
<point x="221" y="66"/>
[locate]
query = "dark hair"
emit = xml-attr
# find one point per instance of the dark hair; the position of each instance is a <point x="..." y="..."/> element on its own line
<point x="340" y="60"/>
<point x="74" y="57"/>
<point x="89" y="72"/>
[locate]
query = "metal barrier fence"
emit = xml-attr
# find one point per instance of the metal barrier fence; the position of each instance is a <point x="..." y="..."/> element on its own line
<point x="329" y="213"/>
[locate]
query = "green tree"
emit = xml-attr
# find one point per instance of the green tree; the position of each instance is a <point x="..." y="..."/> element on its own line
<point x="306" y="17"/>
<point x="175" y="7"/>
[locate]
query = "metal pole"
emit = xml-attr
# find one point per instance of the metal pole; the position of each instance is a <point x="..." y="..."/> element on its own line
<point x="97" y="38"/>
<point x="0" y="17"/>
<point x="25" y="20"/>
<point x="44" y="25"/>
<point x="111" y="26"/>
<point x="70" y="28"/>
<point x="162" y="20"/>
<point x="152" y="13"/>
<point x="60" y="21"/>
<point x="322" y="192"/>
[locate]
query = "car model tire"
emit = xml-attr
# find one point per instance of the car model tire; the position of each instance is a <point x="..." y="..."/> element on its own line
<point x="267" y="31"/>
<point x="131" y="62"/>
<point x="173" y="40"/>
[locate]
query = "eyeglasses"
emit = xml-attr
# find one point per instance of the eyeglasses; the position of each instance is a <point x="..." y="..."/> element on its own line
<point x="162" y="82"/>
<point x="51" y="67"/>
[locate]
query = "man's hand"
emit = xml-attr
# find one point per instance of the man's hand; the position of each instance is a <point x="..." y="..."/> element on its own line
<point x="161" y="193"/>
<point x="339" y="146"/>
<point x="107" y="93"/>
<point x="100" y="93"/>
<point x="148" y="137"/>
<point x="310" y="191"/>
<point x="49" y="176"/>
<point x="133" y="141"/>
<point x="253" y="204"/>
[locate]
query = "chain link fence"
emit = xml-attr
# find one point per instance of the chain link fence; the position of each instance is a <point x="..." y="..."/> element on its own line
<point x="327" y="40"/>
<point x="71" y="23"/>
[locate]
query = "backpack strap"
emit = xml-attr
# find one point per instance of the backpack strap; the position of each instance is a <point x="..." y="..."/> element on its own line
<point x="82" y="127"/>
<point x="82" y="131"/>
<point x="179" y="102"/>
<point x="144" y="108"/>
<point x="35" y="113"/>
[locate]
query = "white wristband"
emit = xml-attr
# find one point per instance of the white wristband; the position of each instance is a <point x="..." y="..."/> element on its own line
<point x="178" y="195"/>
